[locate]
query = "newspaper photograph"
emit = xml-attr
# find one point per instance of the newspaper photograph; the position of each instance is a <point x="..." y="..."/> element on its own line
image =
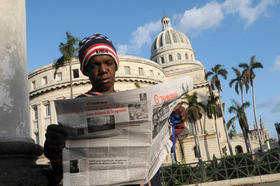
<point x="118" y="138"/>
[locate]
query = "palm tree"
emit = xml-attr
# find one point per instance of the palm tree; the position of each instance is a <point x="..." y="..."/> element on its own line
<point x="249" y="76"/>
<point x="194" y="112"/>
<point x="239" y="83"/>
<point x="239" y="110"/>
<point x="231" y="124"/>
<point x="217" y="71"/>
<point x="68" y="51"/>
<point x="212" y="108"/>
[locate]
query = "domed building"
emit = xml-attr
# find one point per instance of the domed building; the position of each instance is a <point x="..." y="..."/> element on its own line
<point x="172" y="56"/>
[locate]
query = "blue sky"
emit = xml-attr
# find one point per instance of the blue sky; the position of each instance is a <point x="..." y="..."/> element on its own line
<point x="221" y="32"/>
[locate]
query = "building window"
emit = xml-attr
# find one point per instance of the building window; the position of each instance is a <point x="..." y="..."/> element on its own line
<point x="36" y="132"/>
<point x="35" y="111"/>
<point x="162" y="60"/>
<point x="127" y="70"/>
<point x="151" y="73"/>
<point x="179" y="56"/>
<point x="76" y="73"/>
<point x="141" y="71"/>
<point x="36" y="123"/>
<point x="44" y="80"/>
<point x="33" y="85"/>
<point x="196" y="151"/>
<point x="186" y="56"/>
<point x="224" y="149"/>
<point x="48" y="109"/>
<point x="59" y="76"/>
<point x="170" y="58"/>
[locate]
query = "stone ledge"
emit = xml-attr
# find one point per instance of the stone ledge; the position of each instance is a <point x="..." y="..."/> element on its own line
<point x="242" y="181"/>
<point x="270" y="178"/>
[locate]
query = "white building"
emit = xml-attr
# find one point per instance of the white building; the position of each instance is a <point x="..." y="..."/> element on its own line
<point x="172" y="56"/>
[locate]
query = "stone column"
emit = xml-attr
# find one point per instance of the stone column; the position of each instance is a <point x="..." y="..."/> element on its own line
<point x="17" y="150"/>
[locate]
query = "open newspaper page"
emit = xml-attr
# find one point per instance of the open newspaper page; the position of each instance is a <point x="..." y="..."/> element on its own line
<point x="119" y="138"/>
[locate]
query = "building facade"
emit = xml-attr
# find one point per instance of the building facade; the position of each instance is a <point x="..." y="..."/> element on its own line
<point x="172" y="56"/>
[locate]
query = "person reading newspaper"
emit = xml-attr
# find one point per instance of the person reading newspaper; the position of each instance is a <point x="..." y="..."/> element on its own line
<point x="99" y="61"/>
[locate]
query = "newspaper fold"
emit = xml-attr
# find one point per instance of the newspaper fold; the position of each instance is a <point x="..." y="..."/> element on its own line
<point x="119" y="138"/>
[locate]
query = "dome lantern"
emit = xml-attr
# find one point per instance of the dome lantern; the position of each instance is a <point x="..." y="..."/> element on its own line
<point x="165" y="21"/>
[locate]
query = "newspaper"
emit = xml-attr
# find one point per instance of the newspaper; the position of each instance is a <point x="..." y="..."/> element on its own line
<point x="119" y="138"/>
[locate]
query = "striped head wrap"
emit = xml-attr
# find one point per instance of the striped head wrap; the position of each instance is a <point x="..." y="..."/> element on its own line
<point x="97" y="44"/>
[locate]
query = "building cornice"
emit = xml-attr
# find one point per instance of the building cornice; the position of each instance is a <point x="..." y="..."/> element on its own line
<point x="65" y="84"/>
<point x="169" y="49"/>
<point x="49" y="67"/>
<point x="182" y="70"/>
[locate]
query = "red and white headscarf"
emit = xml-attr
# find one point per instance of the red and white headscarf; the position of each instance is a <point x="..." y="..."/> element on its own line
<point x="96" y="44"/>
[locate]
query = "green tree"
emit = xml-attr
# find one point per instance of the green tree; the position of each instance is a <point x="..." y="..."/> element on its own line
<point x="239" y="83"/>
<point x="215" y="72"/>
<point x="249" y="76"/>
<point x="239" y="110"/>
<point x="215" y="82"/>
<point x="212" y="109"/>
<point x="137" y="85"/>
<point x="194" y="113"/>
<point x="231" y="123"/>
<point x="68" y="51"/>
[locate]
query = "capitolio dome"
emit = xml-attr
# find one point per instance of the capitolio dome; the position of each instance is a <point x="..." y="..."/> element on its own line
<point x="171" y="40"/>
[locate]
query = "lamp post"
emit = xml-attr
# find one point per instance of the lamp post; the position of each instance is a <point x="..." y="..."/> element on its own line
<point x="17" y="150"/>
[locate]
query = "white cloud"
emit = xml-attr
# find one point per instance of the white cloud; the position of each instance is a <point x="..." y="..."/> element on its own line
<point x="211" y="15"/>
<point x="276" y="108"/>
<point x="273" y="104"/>
<point x="122" y="49"/>
<point x="143" y="34"/>
<point x="198" y="19"/>
<point x="276" y="64"/>
<point x="245" y="9"/>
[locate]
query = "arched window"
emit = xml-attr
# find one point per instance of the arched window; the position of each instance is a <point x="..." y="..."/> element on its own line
<point x="186" y="56"/>
<point x="170" y="58"/>
<point x="179" y="56"/>
<point x="238" y="149"/>
<point x="162" y="60"/>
